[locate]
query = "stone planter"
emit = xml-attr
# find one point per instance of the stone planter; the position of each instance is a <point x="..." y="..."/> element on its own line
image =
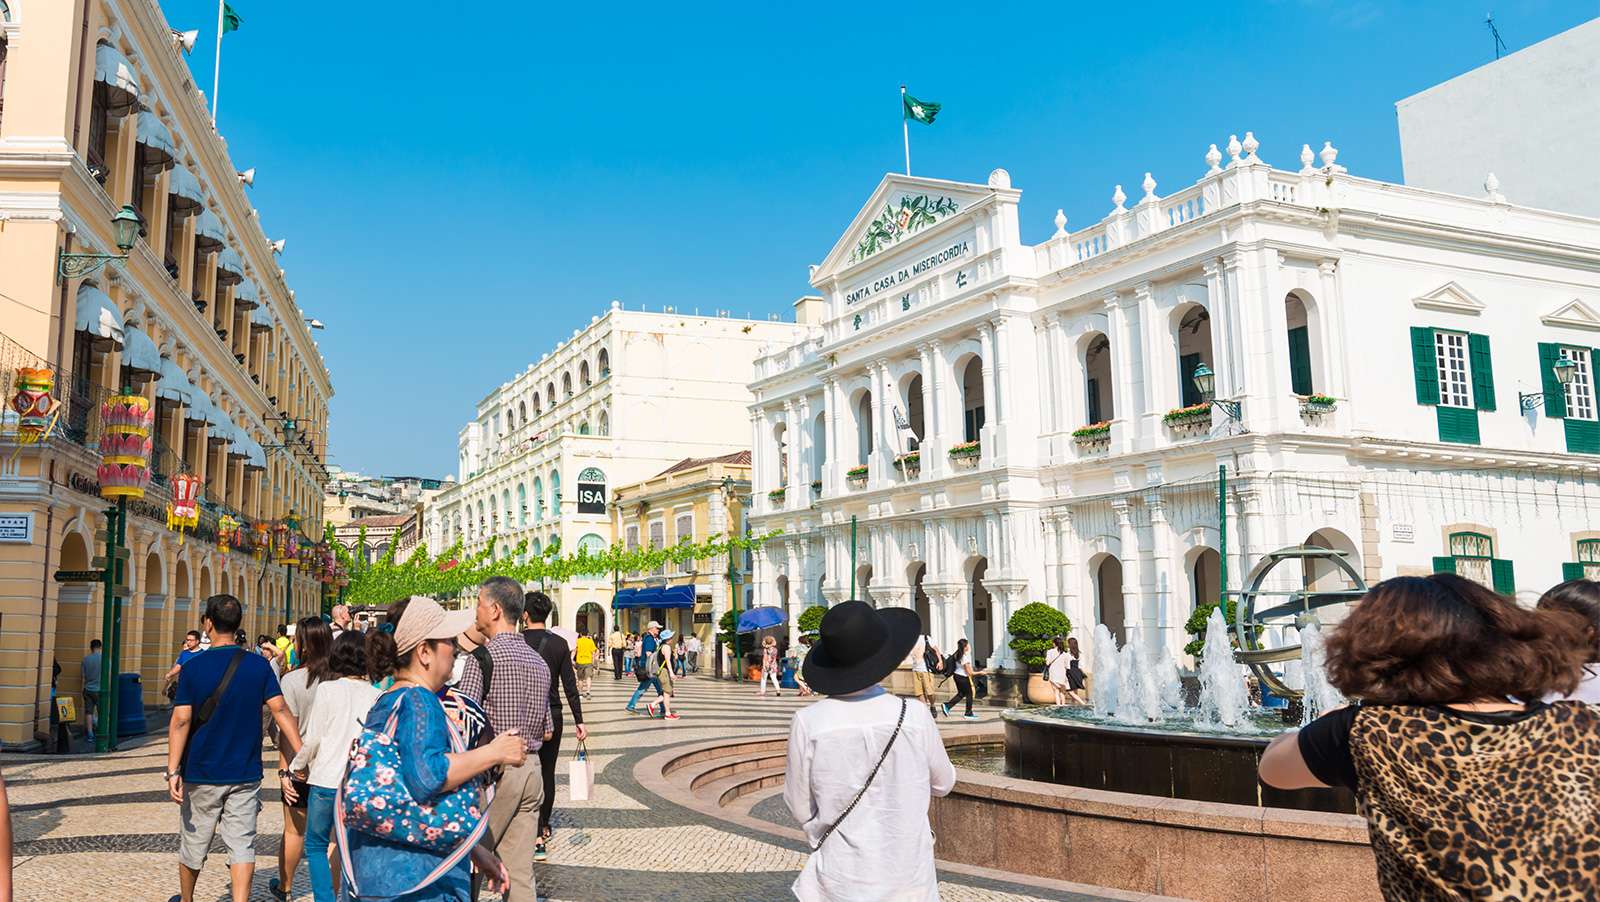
<point x="1039" y="690"/>
<point x="1316" y="410"/>
<point x="1188" y="427"/>
<point x="964" y="461"/>
<point x="856" y="482"/>
<point x="909" y="466"/>
<point x="1098" y="443"/>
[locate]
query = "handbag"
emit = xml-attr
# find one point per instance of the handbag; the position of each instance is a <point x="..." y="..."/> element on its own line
<point x="580" y="775"/>
<point x="881" y="758"/>
<point x="373" y="799"/>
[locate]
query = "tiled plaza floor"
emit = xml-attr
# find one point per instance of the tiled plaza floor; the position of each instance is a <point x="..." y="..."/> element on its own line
<point x="103" y="829"/>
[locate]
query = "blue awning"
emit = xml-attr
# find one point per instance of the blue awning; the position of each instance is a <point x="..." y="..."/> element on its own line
<point x="139" y="352"/>
<point x="623" y="598"/>
<point x="113" y="69"/>
<point x="183" y="186"/>
<point x="655" y="597"/>
<point x="97" y="314"/>
<point x="150" y="131"/>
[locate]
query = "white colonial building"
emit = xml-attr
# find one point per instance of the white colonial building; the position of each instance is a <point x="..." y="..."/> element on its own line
<point x="1385" y="361"/>
<point x="620" y="401"/>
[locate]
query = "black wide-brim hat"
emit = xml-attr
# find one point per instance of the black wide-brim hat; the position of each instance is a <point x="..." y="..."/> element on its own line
<point x="858" y="645"/>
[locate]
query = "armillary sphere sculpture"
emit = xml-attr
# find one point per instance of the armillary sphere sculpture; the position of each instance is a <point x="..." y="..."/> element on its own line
<point x="1259" y="609"/>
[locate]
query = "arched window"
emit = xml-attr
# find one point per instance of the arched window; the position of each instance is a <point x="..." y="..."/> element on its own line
<point x="555" y="493"/>
<point x="538" y="499"/>
<point x="550" y="394"/>
<point x="566" y="385"/>
<point x="535" y="548"/>
<point x="494" y="515"/>
<point x="604" y="363"/>
<point x="605" y="423"/>
<point x="522" y="412"/>
<point x="506" y="506"/>
<point x="538" y="407"/>
<point x="522" y="504"/>
<point x="583" y="428"/>
<point x="583" y="374"/>
<point x="592" y="546"/>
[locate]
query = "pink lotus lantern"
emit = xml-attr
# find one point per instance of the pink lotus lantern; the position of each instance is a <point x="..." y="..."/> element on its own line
<point x="125" y="446"/>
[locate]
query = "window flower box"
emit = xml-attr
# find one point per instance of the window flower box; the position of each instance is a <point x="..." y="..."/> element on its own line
<point x="1313" y="406"/>
<point x="965" y="455"/>
<point x="776" y="496"/>
<point x="857" y="477"/>
<point x="1093" y="437"/>
<point x="1186" y="421"/>
<point x="909" y="464"/>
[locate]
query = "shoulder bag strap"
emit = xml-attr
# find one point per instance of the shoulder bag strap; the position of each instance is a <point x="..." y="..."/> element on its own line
<point x="209" y="707"/>
<point x="870" y="777"/>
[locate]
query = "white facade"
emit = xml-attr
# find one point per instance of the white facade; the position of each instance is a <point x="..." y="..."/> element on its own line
<point x="1532" y="118"/>
<point x="620" y="401"/>
<point x="1286" y="284"/>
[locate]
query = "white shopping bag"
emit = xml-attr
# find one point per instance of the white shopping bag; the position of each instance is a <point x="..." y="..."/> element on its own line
<point x="580" y="775"/>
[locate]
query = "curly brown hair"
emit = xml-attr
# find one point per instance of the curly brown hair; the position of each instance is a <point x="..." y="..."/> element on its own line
<point x="1443" y="639"/>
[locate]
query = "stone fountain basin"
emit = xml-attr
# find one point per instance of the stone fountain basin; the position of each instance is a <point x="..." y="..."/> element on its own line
<point x="1153" y="761"/>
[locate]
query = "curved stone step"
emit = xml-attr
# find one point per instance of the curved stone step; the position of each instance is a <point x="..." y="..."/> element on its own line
<point x="733" y="766"/>
<point x="729" y="788"/>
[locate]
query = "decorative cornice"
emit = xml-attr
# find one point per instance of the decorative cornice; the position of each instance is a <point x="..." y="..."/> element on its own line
<point x="1450" y="298"/>
<point x="1574" y="314"/>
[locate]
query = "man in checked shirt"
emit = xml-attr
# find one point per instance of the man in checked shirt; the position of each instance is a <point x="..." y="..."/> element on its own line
<point x="518" y="698"/>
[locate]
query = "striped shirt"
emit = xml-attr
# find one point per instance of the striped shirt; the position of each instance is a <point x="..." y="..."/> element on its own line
<point x="519" y="688"/>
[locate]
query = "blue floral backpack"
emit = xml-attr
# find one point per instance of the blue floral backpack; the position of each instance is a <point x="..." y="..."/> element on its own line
<point x="373" y="799"/>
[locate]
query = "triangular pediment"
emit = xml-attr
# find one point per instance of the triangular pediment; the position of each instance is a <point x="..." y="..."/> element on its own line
<point x="1451" y="298"/>
<point x="902" y="208"/>
<point x="1574" y="314"/>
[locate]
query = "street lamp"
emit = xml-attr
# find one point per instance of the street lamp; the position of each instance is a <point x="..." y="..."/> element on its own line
<point x="1564" y="369"/>
<point x="129" y="226"/>
<point x="1206" y="381"/>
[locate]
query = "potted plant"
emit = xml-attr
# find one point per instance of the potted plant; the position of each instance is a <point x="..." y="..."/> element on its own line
<point x="909" y="463"/>
<point x="1317" y="404"/>
<point x="777" y="495"/>
<point x="810" y="622"/>
<point x="1033" y="630"/>
<point x="966" y="454"/>
<point x="1185" y="420"/>
<point x="1094" y="436"/>
<point x="1196" y="626"/>
<point x="857" y="476"/>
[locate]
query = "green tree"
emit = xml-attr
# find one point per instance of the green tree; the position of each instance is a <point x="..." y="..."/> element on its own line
<point x="726" y="634"/>
<point x="811" y="618"/>
<point x="1196" y="626"/>
<point x="1033" y="629"/>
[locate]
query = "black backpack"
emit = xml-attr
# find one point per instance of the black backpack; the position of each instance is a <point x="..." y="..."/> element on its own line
<point x="952" y="664"/>
<point x="930" y="657"/>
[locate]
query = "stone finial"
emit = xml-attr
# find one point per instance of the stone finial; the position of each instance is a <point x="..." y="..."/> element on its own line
<point x="616" y="305"/>
<point x="1306" y="156"/>
<point x="1329" y="155"/>
<point x="1491" y="188"/>
<point x="1061" y="224"/>
<point x="999" y="179"/>
<point x="1251" y="145"/>
<point x="1149" y="186"/>
<point x="1213" y="157"/>
<point x="1233" y="150"/>
<point x="1117" y="198"/>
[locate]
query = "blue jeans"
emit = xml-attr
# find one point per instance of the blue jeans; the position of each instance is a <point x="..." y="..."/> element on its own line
<point x="319" y="829"/>
<point x="640" y="691"/>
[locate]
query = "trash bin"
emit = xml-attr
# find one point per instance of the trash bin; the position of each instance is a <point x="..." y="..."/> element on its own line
<point x="786" y="675"/>
<point x="130" y="706"/>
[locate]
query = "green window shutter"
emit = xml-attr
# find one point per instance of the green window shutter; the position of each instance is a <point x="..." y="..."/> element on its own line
<point x="1444" y="565"/>
<point x="1300" y="360"/>
<point x="1572" y="570"/>
<point x="1555" y="397"/>
<point x="1458" y="425"/>
<point x="1424" y="365"/>
<point x="1505" y="582"/>
<point x="1482" y="371"/>
<point x="1189" y="391"/>
<point x="1583" y="436"/>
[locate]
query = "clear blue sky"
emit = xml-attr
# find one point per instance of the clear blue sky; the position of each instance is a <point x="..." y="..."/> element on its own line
<point x="462" y="185"/>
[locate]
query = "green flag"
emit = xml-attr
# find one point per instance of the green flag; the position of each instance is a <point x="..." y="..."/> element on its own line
<point x="232" y="20"/>
<point x="921" y="110"/>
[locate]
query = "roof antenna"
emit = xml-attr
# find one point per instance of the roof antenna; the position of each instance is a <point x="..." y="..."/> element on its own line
<point x="1499" y="45"/>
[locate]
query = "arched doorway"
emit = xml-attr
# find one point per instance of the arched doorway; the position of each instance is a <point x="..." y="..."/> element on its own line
<point x="1326" y="576"/>
<point x="980" y="626"/>
<point x="864" y="583"/>
<point x="1205" y="574"/>
<point x="1109" y="608"/>
<point x="184" y="617"/>
<point x="1193" y="324"/>
<point x="972" y="400"/>
<point x="1302" y="376"/>
<point x="1099" y="405"/>
<point x="919" y="597"/>
<point x="75" y="620"/>
<point x="591" y="619"/>
<point x="782" y="585"/>
<point x="864" y="428"/>
<point x="152" y="648"/>
<point x="914" y="414"/>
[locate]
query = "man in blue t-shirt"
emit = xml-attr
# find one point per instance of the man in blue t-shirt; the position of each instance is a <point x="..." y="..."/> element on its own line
<point x="218" y="783"/>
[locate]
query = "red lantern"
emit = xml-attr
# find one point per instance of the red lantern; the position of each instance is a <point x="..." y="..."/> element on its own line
<point x="261" y="535"/>
<point x="287" y="541"/>
<point x="184" y="511"/>
<point x="227" y="533"/>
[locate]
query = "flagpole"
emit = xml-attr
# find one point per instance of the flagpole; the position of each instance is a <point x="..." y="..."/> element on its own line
<point x="905" y="128"/>
<point x="216" y="74"/>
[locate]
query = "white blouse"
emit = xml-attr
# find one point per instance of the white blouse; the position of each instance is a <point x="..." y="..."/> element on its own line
<point x="833" y="746"/>
<point x="336" y="715"/>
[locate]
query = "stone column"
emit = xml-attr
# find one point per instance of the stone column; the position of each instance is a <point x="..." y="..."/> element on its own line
<point x="875" y="461"/>
<point x="758" y="456"/>
<point x="929" y="411"/>
<point x="986" y="344"/>
<point x="791" y="440"/>
<point x="803" y="447"/>
<point x="936" y="377"/>
<point x="831" y="475"/>
<point x="1132" y="572"/>
<point x="1125" y="403"/>
<point x="1158" y="608"/>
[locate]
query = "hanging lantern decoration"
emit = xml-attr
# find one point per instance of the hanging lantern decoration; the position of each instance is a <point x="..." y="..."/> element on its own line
<point x="184" y="511"/>
<point x="325" y="564"/>
<point x="36" y="410"/>
<point x="261" y="540"/>
<point x="125" y="446"/>
<point x="287" y="540"/>
<point x="227" y="533"/>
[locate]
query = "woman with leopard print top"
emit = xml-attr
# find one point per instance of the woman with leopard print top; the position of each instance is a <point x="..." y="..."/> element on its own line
<point x="1467" y="795"/>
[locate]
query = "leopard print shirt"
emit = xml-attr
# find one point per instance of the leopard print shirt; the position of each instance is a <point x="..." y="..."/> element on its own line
<point x="1466" y="808"/>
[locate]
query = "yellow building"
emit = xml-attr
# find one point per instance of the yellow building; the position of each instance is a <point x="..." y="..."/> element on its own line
<point x="693" y="500"/>
<point x="97" y="116"/>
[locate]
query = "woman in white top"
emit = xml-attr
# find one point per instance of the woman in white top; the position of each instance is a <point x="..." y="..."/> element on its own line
<point x="312" y="639"/>
<point x="342" y="702"/>
<point x="1581" y="597"/>
<point x="1055" y="670"/>
<point x="862" y="765"/>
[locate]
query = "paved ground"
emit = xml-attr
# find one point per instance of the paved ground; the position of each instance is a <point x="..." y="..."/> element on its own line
<point x="103" y="829"/>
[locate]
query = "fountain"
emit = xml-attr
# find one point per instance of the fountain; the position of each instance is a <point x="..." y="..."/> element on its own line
<point x="1139" y="736"/>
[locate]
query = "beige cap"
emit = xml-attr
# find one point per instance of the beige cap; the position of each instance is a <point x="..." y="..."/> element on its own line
<point x="424" y="619"/>
<point x="652" y="625"/>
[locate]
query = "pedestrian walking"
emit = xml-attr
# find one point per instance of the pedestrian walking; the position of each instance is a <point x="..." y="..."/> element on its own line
<point x="646" y="665"/>
<point x="512" y="683"/>
<point x="214" y="750"/>
<point x="614" y="643"/>
<point x="553" y="649"/>
<point x="188" y="651"/>
<point x="866" y="752"/>
<point x="585" y="657"/>
<point x="313" y="640"/>
<point x="1058" y="662"/>
<point x="963" y="675"/>
<point x="1473" y="787"/>
<point x="667" y="651"/>
<point x="1580" y="597"/>
<point x="635" y="644"/>
<point x="343" y="694"/>
<point x="925" y="661"/>
<point x="769" y="667"/>
<point x="91" y="687"/>
<point x="1075" y="677"/>
<point x="691" y="647"/>
<point x="414" y="649"/>
<point x="58" y="727"/>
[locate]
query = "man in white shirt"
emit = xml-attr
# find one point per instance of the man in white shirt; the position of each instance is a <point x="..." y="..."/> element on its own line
<point x="884" y="850"/>
<point x="691" y="647"/>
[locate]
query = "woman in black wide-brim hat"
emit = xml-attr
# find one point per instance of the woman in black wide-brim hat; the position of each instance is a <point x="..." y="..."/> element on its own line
<point x="862" y="764"/>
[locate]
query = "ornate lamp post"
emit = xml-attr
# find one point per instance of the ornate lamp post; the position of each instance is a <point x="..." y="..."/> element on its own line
<point x="1564" y="370"/>
<point x="1206" y="381"/>
<point x="129" y="226"/>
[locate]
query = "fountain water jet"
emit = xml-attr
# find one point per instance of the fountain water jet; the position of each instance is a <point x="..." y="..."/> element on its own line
<point x="1103" y="692"/>
<point x="1320" y="697"/>
<point x="1223" y="695"/>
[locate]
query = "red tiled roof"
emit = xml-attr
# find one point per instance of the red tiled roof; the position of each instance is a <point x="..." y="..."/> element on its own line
<point x="385" y="520"/>
<point x="737" y="458"/>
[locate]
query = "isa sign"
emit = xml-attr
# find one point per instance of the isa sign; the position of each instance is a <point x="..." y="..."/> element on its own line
<point x="16" y="526"/>
<point x="591" y="497"/>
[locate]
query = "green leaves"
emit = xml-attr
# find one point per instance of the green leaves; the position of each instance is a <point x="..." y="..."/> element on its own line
<point x="1033" y="628"/>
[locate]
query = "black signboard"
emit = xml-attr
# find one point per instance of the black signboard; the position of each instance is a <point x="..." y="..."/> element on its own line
<point x="80" y="576"/>
<point x="591" y="497"/>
